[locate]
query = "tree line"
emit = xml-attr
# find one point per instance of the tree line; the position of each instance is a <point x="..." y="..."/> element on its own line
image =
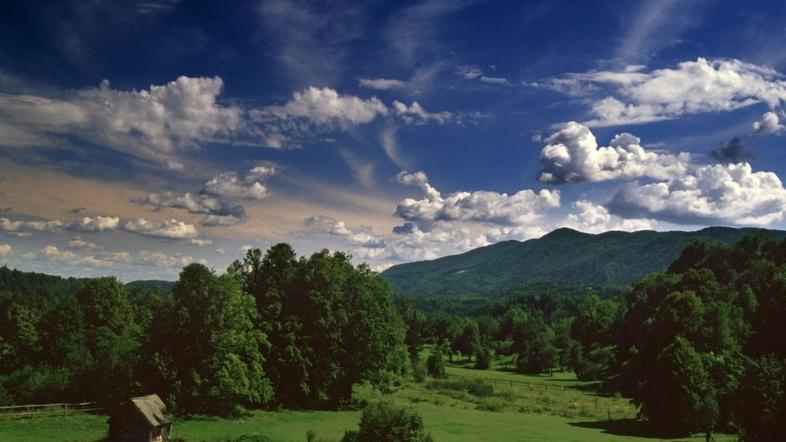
<point x="698" y="347"/>
<point x="273" y="330"/>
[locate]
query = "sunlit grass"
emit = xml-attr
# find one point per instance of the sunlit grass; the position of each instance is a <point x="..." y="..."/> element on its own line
<point x="550" y="408"/>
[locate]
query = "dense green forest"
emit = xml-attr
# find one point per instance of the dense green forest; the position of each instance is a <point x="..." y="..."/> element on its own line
<point x="610" y="259"/>
<point x="697" y="347"/>
<point x="272" y="330"/>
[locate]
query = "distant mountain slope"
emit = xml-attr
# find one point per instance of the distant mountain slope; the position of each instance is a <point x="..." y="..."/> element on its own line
<point x="17" y="282"/>
<point x="150" y="285"/>
<point x="607" y="259"/>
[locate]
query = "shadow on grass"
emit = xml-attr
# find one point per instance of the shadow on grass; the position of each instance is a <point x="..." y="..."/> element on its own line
<point x="630" y="427"/>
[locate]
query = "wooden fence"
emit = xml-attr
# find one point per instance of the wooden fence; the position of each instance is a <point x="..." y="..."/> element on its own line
<point x="512" y="383"/>
<point x="42" y="410"/>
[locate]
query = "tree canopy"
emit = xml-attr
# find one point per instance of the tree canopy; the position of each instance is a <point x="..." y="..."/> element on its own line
<point x="273" y="329"/>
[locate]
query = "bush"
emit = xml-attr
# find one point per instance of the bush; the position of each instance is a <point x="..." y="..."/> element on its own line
<point x="480" y="387"/>
<point x="477" y="387"/>
<point x="483" y="359"/>
<point x="489" y="406"/>
<point x="418" y="370"/>
<point x="435" y="365"/>
<point x="362" y="394"/>
<point x="386" y="422"/>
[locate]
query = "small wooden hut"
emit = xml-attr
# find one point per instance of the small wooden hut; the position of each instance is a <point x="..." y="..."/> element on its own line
<point x="140" y="419"/>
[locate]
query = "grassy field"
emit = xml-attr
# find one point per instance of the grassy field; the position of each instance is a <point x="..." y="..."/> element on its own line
<point x="545" y="408"/>
<point x="443" y="422"/>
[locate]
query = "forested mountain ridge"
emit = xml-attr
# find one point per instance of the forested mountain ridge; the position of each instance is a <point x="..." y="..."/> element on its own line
<point x="32" y="283"/>
<point x="14" y="281"/>
<point x="150" y="285"/>
<point x="607" y="259"/>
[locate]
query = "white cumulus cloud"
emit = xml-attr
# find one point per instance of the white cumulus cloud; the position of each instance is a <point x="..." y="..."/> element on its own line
<point x="635" y="95"/>
<point x="363" y="236"/>
<point x="8" y="225"/>
<point x="730" y="194"/>
<point x="229" y="184"/>
<point x="769" y="124"/>
<point x="572" y="155"/>
<point x="594" y="218"/>
<point x="524" y="207"/>
<point x="170" y="228"/>
<point x="151" y="123"/>
<point x="84" y="224"/>
<point x="79" y="243"/>
<point x="96" y="224"/>
<point x="214" y="200"/>
<point x="327" y="106"/>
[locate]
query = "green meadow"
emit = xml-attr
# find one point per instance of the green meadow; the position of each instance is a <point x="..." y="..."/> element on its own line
<point x="521" y="408"/>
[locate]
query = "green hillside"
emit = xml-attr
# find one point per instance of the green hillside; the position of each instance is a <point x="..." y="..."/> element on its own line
<point x="147" y="286"/>
<point x="564" y="255"/>
<point x="18" y="282"/>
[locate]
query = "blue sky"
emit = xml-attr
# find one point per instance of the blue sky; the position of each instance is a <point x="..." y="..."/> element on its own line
<point x="138" y="136"/>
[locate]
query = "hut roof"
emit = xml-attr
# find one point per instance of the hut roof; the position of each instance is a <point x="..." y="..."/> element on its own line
<point x="152" y="408"/>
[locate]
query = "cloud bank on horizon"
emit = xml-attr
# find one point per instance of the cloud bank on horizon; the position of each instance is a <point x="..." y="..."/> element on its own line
<point x="135" y="141"/>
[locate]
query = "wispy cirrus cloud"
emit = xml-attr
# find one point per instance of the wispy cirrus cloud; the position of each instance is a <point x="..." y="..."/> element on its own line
<point x="424" y="79"/>
<point x="413" y="32"/>
<point x="476" y="73"/>
<point x="382" y="84"/>
<point x="655" y="25"/>
<point x="311" y="41"/>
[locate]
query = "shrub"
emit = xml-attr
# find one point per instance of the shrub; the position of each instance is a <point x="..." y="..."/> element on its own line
<point x="489" y="406"/>
<point x="362" y="394"/>
<point x="435" y="365"/>
<point x="418" y="370"/>
<point x="483" y="359"/>
<point x="477" y="387"/>
<point x="387" y="422"/>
